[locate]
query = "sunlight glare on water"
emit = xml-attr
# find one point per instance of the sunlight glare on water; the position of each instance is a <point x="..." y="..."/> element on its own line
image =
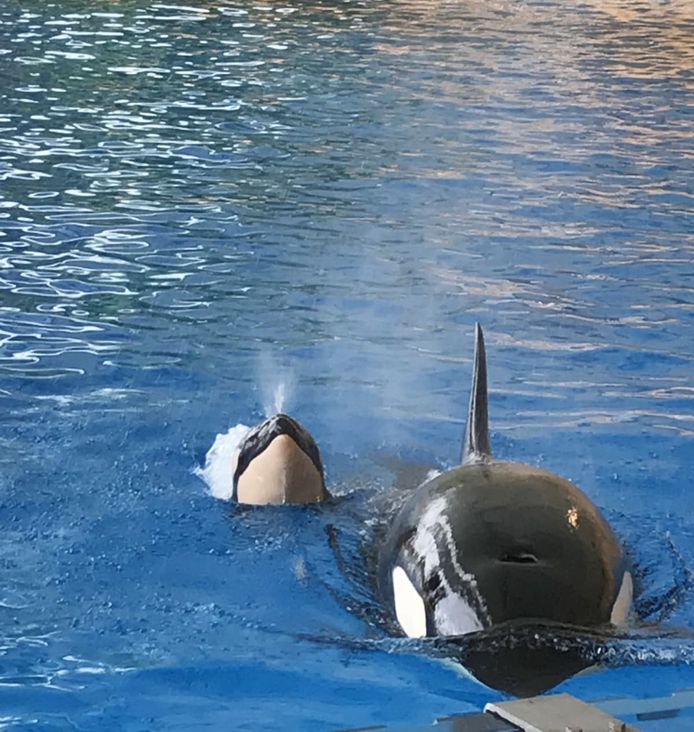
<point x="212" y="212"/>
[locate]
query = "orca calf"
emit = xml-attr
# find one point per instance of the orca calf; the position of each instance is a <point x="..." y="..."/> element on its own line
<point x="278" y="461"/>
<point x="495" y="545"/>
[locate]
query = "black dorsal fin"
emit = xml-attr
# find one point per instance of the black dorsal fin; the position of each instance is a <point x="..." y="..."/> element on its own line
<point x="476" y="447"/>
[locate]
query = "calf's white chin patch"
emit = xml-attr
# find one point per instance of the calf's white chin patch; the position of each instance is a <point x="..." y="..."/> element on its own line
<point x="409" y="606"/>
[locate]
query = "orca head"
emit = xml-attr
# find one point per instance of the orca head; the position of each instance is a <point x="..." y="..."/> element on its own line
<point x="497" y="542"/>
<point x="279" y="462"/>
<point x="491" y="542"/>
<point x="494" y="582"/>
<point x="538" y="547"/>
<point x="483" y="555"/>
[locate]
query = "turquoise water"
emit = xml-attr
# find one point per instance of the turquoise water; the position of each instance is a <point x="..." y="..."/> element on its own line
<point x="201" y="204"/>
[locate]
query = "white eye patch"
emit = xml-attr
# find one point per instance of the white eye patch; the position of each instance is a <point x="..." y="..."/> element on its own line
<point x="409" y="606"/>
<point x="622" y="605"/>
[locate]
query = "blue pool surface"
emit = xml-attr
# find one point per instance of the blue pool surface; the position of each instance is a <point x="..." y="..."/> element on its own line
<point x="202" y="204"/>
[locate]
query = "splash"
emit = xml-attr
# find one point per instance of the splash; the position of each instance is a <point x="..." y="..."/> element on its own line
<point x="220" y="462"/>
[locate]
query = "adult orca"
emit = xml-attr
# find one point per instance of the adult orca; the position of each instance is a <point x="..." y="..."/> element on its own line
<point x="490" y="546"/>
<point x="278" y="461"/>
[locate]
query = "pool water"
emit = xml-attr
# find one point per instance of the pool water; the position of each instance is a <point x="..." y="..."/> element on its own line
<point x="208" y="209"/>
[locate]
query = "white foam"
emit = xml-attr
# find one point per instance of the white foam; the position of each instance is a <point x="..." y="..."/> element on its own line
<point x="220" y="462"/>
